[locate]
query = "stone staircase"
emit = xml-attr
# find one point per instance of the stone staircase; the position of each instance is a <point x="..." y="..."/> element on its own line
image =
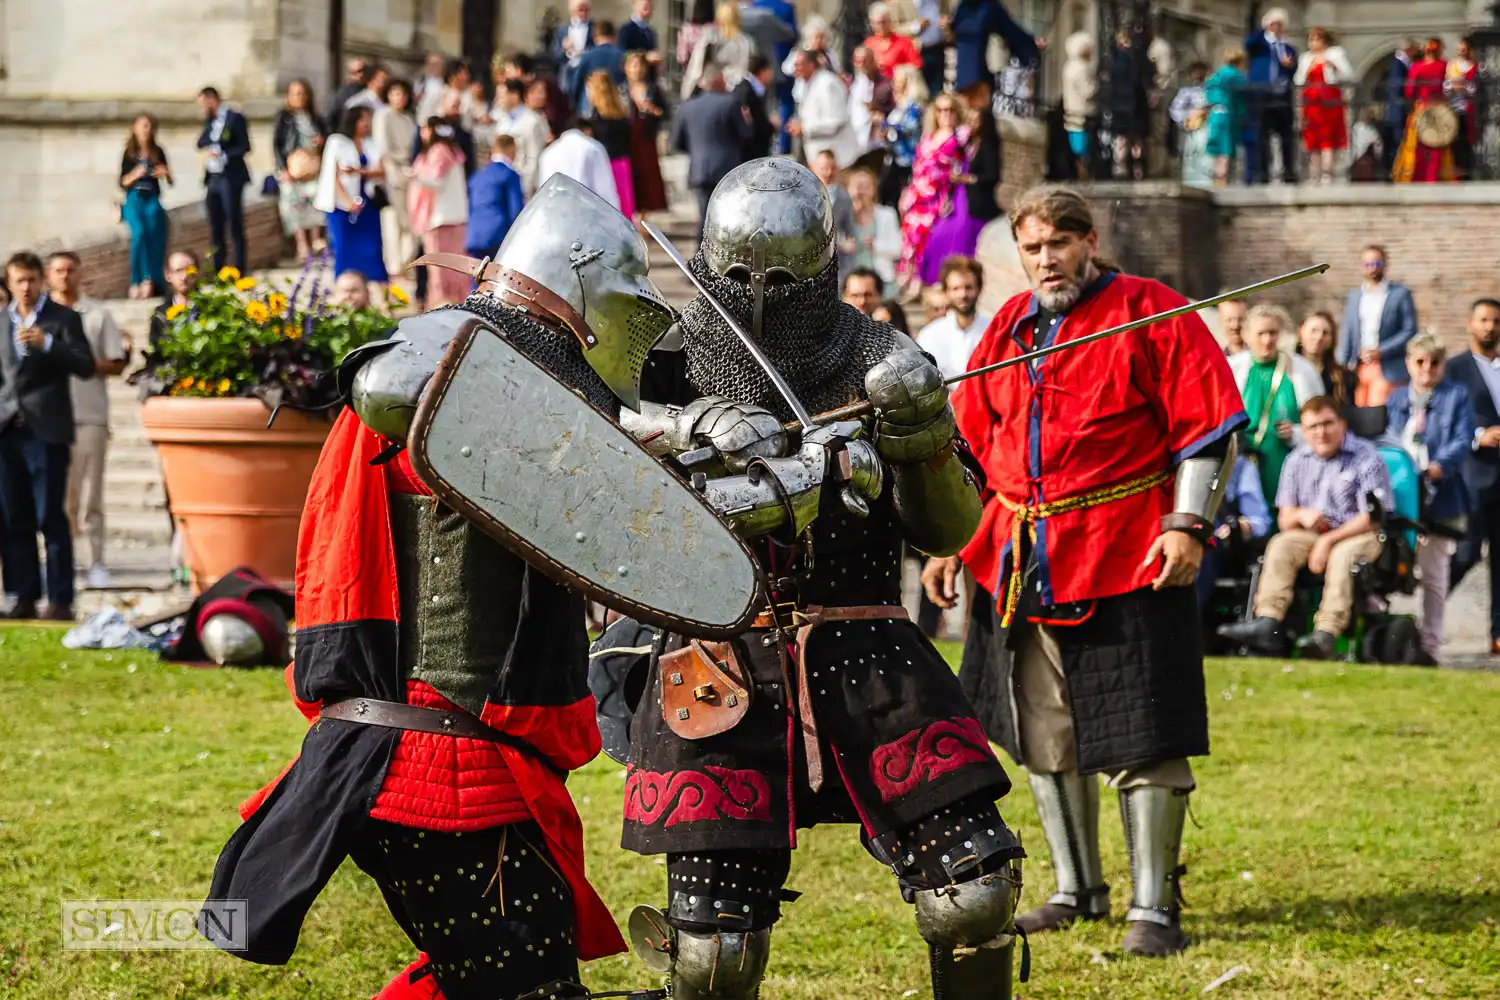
<point x="138" y="530"/>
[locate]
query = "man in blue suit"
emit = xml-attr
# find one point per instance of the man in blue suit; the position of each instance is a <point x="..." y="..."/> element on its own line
<point x="637" y="35"/>
<point x="1397" y="107"/>
<point x="226" y="139"/>
<point x="495" y="199"/>
<point x="605" y="55"/>
<point x="1478" y="370"/>
<point x="1379" y="318"/>
<point x="572" y="40"/>
<point x="786" y="107"/>
<point x="1273" y="63"/>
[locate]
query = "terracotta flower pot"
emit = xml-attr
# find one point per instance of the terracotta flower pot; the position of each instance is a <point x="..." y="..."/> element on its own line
<point x="236" y="489"/>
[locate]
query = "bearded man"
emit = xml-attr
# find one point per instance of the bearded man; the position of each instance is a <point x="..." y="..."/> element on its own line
<point x="1105" y="467"/>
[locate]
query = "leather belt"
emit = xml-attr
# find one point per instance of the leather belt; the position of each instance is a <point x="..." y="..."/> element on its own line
<point x="805" y="620"/>
<point x="443" y="722"/>
<point x="519" y="291"/>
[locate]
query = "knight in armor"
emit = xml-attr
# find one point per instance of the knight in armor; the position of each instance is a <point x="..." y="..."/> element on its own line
<point x="445" y="678"/>
<point x="832" y="707"/>
<point x="1105" y="467"/>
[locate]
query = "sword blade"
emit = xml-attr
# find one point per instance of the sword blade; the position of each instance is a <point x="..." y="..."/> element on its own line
<point x="860" y="409"/>
<point x="804" y="418"/>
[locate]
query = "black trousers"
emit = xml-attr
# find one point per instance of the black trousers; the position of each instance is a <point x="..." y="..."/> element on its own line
<point x="33" y="496"/>
<point x="1483" y="528"/>
<point x="1275" y="117"/>
<point x="934" y="68"/>
<point x="225" y="201"/>
<point x="489" y="908"/>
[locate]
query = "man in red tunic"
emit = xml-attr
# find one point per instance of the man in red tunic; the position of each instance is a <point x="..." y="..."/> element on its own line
<point x="1104" y="466"/>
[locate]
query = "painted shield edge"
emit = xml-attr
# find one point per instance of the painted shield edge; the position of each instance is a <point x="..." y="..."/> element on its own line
<point x="432" y="398"/>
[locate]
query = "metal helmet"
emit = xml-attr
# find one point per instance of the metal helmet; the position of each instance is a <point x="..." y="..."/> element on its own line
<point x="574" y="244"/>
<point x="769" y="217"/>
<point x="229" y="640"/>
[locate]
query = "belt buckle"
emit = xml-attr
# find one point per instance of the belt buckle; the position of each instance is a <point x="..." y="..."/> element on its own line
<point x="786" y="610"/>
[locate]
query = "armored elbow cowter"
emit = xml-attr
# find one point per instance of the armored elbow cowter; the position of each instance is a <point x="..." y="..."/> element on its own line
<point x="1197" y="491"/>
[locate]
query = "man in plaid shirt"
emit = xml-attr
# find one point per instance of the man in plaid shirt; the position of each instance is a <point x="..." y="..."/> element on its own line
<point x="1324" y="526"/>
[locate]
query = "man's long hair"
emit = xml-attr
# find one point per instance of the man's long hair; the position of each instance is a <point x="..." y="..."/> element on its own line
<point x="1060" y="207"/>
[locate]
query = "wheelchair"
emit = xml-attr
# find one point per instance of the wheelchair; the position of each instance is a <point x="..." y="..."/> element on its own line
<point x="1374" y="633"/>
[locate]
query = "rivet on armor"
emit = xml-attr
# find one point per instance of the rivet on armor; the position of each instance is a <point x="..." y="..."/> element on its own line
<point x="682" y="713"/>
<point x="676" y="678"/>
<point x="466" y="451"/>
<point x="623" y="571"/>
<point x="732" y="700"/>
<point x="580" y="537"/>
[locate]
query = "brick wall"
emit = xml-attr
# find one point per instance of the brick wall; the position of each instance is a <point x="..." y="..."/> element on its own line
<point x="106" y="255"/>
<point x="1443" y="242"/>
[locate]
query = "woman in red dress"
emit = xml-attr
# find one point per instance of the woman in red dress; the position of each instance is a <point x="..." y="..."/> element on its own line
<point x="1461" y="84"/>
<point x="647" y="108"/>
<point x="1424" y="88"/>
<point x="1321" y="73"/>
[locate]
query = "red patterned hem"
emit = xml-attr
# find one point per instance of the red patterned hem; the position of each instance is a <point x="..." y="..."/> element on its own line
<point x="715" y="793"/>
<point x="900" y="767"/>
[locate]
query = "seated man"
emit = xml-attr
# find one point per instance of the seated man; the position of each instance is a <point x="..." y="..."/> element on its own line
<point x="1323" y="526"/>
<point x="352" y="290"/>
<point x="1243" y="516"/>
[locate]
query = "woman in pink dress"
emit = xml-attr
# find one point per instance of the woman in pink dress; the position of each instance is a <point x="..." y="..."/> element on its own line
<point x="929" y="197"/>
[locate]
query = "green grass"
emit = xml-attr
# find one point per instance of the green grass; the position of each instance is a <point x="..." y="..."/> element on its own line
<point x="1350" y="819"/>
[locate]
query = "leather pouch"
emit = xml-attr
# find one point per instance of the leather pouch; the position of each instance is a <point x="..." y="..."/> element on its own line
<point x="703" y="689"/>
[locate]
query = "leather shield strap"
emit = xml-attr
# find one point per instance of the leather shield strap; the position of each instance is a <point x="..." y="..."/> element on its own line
<point x="518" y="291"/>
<point x="444" y="722"/>
<point x="806" y="619"/>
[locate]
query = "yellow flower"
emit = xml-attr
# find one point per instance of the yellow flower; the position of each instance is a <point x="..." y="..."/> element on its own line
<point x="257" y="312"/>
<point x="173" y="311"/>
<point x="186" y="383"/>
<point x="190" y="270"/>
<point x="229" y="274"/>
<point x="202" y="386"/>
<point x="277" y="303"/>
<point x="398" y="295"/>
<point x="223" y="386"/>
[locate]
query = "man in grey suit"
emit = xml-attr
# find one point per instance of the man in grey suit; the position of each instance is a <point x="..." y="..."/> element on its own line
<point x="42" y="346"/>
<point x="1379" y="319"/>
<point x="711" y="128"/>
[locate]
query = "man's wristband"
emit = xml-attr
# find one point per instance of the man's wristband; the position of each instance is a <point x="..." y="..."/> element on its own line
<point x="1188" y="524"/>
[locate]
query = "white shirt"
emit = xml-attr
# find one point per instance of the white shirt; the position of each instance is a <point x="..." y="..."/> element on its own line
<point x="1489" y="368"/>
<point x="950" y="343"/>
<point x="91" y="395"/>
<point x="19" y="323"/>
<point x="1371" y="306"/>
<point x="861" y="94"/>
<point x="578" y="35"/>
<point x="339" y="150"/>
<point x="366" y="99"/>
<point x="823" y="110"/>
<point x="529" y="129"/>
<point x="216" y="161"/>
<point x="583" y="159"/>
<point x="931" y="12"/>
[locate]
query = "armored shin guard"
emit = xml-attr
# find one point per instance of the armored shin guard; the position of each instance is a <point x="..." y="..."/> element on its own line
<point x="971" y="938"/>
<point x="1153" y="816"/>
<point x="1068" y="804"/>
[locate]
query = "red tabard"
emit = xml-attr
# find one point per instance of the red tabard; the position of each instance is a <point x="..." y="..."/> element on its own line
<point x="1102" y="415"/>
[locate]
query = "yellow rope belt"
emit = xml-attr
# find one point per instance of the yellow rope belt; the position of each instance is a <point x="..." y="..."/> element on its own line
<point x="1029" y="514"/>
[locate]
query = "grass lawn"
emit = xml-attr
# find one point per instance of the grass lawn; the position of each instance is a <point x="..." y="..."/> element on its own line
<point x="1350" y="819"/>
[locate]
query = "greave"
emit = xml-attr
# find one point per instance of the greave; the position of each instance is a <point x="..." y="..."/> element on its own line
<point x="970" y="933"/>
<point x="1068" y="805"/>
<point x="1153" y="816"/>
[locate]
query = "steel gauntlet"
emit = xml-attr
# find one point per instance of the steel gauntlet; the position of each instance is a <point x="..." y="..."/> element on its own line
<point x="914" y="421"/>
<point x="737" y="432"/>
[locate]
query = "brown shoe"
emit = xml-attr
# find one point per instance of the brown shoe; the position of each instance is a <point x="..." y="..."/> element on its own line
<point x="1053" y="917"/>
<point x="24" y="611"/>
<point x="1495" y="647"/>
<point x="59" y="613"/>
<point x="1154" y="940"/>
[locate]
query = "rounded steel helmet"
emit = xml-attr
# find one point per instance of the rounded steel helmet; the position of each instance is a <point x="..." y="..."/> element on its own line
<point x="229" y="640"/>
<point x="571" y="243"/>
<point x="767" y="218"/>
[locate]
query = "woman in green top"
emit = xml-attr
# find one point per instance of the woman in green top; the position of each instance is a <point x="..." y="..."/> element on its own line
<point x="1274" y="383"/>
<point x="1225" y="91"/>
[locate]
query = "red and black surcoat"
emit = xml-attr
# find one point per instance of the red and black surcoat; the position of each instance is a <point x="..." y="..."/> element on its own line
<point x="400" y="600"/>
<point x="897" y="738"/>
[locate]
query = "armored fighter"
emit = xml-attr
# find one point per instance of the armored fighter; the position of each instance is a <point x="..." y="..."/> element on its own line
<point x="1106" y="464"/>
<point x="832" y="706"/>
<point x="444" y="677"/>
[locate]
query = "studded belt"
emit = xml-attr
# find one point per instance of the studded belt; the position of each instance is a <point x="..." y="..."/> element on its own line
<point x="444" y="722"/>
